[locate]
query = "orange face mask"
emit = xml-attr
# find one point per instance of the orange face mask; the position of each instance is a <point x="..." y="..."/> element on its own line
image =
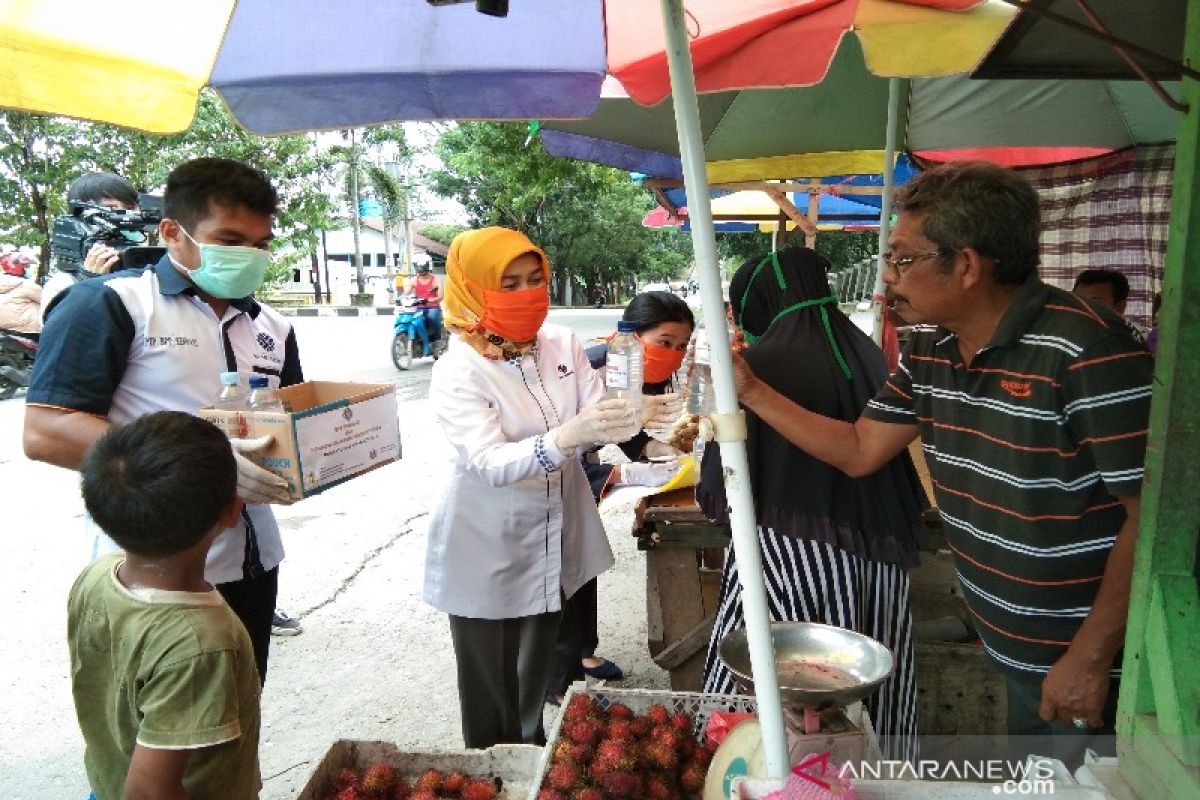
<point x="660" y="362"/>
<point x="517" y="316"/>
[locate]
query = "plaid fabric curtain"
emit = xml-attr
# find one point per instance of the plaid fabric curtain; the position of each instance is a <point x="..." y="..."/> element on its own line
<point x="1108" y="212"/>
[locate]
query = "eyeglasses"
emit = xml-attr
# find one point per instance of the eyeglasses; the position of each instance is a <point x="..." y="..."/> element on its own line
<point x="901" y="264"/>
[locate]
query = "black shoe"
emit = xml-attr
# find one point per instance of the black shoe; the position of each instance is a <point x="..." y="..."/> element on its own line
<point x="283" y="625"/>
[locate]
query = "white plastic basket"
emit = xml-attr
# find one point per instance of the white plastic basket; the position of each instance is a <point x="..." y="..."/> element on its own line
<point x="698" y="705"/>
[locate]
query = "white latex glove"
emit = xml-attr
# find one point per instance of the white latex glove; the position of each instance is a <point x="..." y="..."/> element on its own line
<point x="606" y="422"/>
<point x="641" y="473"/>
<point x="661" y="410"/>
<point x="255" y="484"/>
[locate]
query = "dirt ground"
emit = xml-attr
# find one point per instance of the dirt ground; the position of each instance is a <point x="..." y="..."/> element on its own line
<point x="374" y="661"/>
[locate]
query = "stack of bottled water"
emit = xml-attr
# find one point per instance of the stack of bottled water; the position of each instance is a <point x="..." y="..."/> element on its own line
<point x="233" y="398"/>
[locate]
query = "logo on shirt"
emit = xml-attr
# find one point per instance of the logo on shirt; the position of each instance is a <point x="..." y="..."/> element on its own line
<point x="347" y="414"/>
<point x="564" y="371"/>
<point x="266" y="342"/>
<point x="1017" y="388"/>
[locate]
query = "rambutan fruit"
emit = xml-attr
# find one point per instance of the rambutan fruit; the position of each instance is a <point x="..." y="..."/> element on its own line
<point x="682" y="723"/>
<point x="479" y="789"/>
<point x="430" y="780"/>
<point x="660" y="755"/>
<point x="352" y="792"/>
<point x="617" y="753"/>
<point x="562" y="751"/>
<point x="641" y="727"/>
<point x="378" y="780"/>
<point x="703" y="754"/>
<point x="584" y="731"/>
<point x="453" y="783"/>
<point x="564" y="776"/>
<point x="666" y="735"/>
<point x="658" y="715"/>
<point x="620" y="729"/>
<point x="619" y="711"/>
<point x="581" y="753"/>
<point x="622" y="784"/>
<point x="581" y="706"/>
<point x="346" y="777"/>
<point x="587" y="793"/>
<point x="401" y="790"/>
<point x="550" y="794"/>
<point x="692" y="776"/>
<point x="598" y="771"/>
<point x="423" y="794"/>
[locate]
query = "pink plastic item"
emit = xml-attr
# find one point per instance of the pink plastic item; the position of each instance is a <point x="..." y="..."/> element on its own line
<point x="720" y="723"/>
<point x="813" y="779"/>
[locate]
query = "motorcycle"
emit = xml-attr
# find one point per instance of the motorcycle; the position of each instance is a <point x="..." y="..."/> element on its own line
<point x="412" y="316"/>
<point x="17" y="351"/>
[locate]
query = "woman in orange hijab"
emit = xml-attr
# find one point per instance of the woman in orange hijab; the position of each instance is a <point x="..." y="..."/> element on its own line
<point x="517" y="531"/>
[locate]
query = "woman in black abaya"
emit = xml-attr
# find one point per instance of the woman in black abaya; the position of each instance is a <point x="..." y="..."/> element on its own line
<point x="835" y="549"/>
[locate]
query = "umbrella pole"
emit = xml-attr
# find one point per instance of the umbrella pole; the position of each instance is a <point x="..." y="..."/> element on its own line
<point x="885" y="206"/>
<point x="729" y="421"/>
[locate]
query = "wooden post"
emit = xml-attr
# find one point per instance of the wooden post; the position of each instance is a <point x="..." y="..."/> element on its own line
<point x="1158" y="718"/>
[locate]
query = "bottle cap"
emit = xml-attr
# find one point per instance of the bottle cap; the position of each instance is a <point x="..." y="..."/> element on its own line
<point x="230" y="379"/>
<point x="626" y="327"/>
<point x="258" y="381"/>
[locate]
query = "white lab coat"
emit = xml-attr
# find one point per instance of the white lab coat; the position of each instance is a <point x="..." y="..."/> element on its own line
<point x="508" y="536"/>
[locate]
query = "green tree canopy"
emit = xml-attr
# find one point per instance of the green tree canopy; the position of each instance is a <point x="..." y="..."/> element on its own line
<point x="40" y="155"/>
<point x="586" y="217"/>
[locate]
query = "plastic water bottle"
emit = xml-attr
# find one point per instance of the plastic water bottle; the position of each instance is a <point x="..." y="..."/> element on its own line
<point x="623" y="366"/>
<point x="231" y="398"/>
<point x="262" y="396"/>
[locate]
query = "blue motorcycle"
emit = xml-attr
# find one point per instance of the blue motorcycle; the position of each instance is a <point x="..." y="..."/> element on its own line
<point x="418" y="332"/>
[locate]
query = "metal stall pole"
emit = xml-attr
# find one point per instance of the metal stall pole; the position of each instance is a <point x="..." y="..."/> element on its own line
<point x="885" y="207"/>
<point x="729" y="421"/>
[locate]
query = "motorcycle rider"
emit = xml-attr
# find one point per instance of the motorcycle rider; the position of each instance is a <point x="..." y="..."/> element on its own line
<point x="428" y="291"/>
<point x="20" y="298"/>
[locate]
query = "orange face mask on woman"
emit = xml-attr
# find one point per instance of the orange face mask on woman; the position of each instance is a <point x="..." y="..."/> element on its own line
<point x="660" y="362"/>
<point x="517" y="316"/>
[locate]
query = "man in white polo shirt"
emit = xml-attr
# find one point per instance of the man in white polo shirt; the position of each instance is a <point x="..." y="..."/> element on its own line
<point x="137" y="341"/>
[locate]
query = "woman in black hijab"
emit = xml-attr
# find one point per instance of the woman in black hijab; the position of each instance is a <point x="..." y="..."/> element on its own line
<point x="835" y="549"/>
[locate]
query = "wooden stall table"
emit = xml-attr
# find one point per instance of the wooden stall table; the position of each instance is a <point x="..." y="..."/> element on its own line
<point x="684" y="556"/>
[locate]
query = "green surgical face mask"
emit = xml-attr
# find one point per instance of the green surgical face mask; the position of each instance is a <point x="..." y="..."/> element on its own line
<point x="228" y="272"/>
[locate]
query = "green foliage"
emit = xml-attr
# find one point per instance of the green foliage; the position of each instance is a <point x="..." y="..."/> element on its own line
<point x="441" y="232"/>
<point x="586" y="217"/>
<point x="40" y="155"/>
<point x="847" y="248"/>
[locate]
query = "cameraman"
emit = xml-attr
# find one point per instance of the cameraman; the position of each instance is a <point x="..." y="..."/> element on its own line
<point x="101" y="189"/>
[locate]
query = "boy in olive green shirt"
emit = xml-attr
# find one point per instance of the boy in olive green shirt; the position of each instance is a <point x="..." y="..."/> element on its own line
<point x="162" y="671"/>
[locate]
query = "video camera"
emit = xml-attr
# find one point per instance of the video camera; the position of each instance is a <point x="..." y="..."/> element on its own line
<point x="126" y="231"/>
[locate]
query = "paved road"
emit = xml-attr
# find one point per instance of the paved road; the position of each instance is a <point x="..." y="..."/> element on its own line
<point x="374" y="661"/>
<point x="358" y="348"/>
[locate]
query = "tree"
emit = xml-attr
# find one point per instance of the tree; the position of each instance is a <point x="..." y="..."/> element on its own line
<point x="586" y="217"/>
<point x="441" y="232"/>
<point x="40" y="155"/>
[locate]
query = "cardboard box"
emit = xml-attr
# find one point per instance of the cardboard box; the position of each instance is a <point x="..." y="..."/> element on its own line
<point x="513" y="764"/>
<point x="331" y="433"/>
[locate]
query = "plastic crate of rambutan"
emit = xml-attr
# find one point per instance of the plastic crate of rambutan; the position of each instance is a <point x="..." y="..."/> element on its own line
<point x="509" y="767"/>
<point x="697" y="705"/>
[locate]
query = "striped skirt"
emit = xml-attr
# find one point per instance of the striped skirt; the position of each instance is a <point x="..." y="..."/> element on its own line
<point x="810" y="581"/>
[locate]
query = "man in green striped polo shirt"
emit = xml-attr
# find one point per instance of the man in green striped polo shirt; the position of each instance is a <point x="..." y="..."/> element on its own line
<point x="1032" y="406"/>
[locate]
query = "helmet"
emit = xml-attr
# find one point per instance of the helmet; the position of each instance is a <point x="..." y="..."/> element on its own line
<point x="423" y="267"/>
<point x="14" y="264"/>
